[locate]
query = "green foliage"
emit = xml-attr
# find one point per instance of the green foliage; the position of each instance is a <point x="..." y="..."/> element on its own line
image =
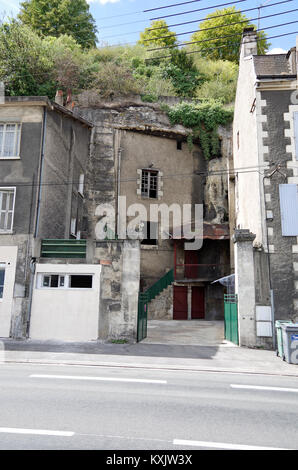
<point x="220" y="38"/>
<point x="221" y="80"/>
<point x="115" y="80"/>
<point x="60" y="17"/>
<point x="25" y="61"/>
<point x="158" y="34"/>
<point x="183" y="73"/>
<point x="32" y="64"/>
<point x="204" y="119"/>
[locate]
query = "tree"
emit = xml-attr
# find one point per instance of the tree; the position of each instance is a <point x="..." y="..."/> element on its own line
<point x="32" y="65"/>
<point x="59" y="17"/>
<point x="221" y="34"/>
<point x="25" y="62"/>
<point x="158" y="35"/>
<point x="183" y="73"/>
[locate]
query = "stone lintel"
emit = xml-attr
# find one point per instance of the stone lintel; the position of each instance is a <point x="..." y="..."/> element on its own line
<point x="243" y="235"/>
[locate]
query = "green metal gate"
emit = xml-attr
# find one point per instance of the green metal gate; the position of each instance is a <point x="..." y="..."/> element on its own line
<point x="231" y="318"/>
<point x="142" y="316"/>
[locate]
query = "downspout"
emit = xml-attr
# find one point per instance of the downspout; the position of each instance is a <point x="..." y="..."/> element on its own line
<point x="276" y="170"/>
<point x="33" y="260"/>
<point x="32" y="274"/>
<point x="118" y="189"/>
<point x="41" y="171"/>
<point x="269" y="272"/>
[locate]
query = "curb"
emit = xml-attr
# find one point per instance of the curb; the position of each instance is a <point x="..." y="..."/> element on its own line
<point x="151" y="367"/>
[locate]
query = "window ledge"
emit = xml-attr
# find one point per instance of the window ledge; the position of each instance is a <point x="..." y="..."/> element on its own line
<point x="10" y="158"/>
<point x="149" y="247"/>
<point x="6" y="232"/>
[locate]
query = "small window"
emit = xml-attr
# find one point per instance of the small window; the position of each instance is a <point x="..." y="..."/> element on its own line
<point x="150" y="183"/>
<point x="81" y="184"/>
<point x="7" y="198"/>
<point x="53" y="281"/>
<point x="80" y="281"/>
<point x="2" y="278"/>
<point x="10" y="140"/>
<point x="62" y="281"/>
<point x="150" y="232"/>
<point x="179" y="145"/>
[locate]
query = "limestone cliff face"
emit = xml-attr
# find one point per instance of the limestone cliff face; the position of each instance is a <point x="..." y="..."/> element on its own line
<point x="216" y="188"/>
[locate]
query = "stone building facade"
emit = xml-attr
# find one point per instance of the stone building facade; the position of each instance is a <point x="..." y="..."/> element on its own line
<point x="265" y="190"/>
<point x="138" y="155"/>
<point x="57" y="282"/>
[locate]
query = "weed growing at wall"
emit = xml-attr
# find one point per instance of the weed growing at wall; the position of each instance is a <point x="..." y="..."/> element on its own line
<point x="204" y="119"/>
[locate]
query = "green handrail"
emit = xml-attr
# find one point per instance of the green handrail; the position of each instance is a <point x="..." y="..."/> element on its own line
<point x="159" y="286"/>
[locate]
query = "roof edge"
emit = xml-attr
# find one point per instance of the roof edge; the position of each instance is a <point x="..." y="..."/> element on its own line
<point x="43" y="101"/>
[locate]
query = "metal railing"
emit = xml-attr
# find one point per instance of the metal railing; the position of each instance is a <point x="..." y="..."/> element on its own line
<point x="159" y="286"/>
<point x="201" y="271"/>
<point x="63" y="248"/>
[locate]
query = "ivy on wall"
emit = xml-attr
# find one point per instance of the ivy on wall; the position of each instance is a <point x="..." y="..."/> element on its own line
<point x="204" y="119"/>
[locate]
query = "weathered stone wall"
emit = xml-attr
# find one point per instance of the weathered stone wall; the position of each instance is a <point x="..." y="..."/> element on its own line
<point x="161" y="308"/>
<point x="130" y="134"/>
<point x="120" y="282"/>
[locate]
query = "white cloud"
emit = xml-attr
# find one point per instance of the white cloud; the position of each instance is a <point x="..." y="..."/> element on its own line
<point x="103" y="2"/>
<point x="277" y="50"/>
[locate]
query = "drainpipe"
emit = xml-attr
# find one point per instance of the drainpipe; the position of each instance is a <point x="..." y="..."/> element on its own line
<point x="276" y="170"/>
<point x="41" y="171"/>
<point x="118" y="190"/>
<point x="33" y="260"/>
<point x="32" y="274"/>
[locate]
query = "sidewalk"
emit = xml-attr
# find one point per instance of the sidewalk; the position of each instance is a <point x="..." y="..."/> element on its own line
<point x="225" y="357"/>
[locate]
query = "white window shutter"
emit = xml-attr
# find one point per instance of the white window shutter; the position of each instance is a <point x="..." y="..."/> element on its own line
<point x="288" y="196"/>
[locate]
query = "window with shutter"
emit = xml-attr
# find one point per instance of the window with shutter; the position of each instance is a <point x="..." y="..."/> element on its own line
<point x="7" y="198"/>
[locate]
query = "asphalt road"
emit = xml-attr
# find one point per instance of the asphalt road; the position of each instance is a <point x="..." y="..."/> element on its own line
<point x="96" y="408"/>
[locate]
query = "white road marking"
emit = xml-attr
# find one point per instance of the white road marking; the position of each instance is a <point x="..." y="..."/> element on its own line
<point x="220" y="445"/>
<point x="40" y="432"/>
<point x="259" y="387"/>
<point x="103" y="379"/>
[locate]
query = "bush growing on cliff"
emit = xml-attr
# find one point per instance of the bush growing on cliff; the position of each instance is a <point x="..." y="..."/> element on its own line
<point x="204" y="119"/>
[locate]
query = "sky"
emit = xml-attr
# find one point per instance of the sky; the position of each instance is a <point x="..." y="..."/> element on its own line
<point x="121" y="21"/>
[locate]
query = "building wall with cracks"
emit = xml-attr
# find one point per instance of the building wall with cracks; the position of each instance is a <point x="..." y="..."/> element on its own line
<point x="130" y="135"/>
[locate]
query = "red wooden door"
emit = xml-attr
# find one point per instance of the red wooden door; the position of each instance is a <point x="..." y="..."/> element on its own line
<point x="180" y="311"/>
<point x="197" y="303"/>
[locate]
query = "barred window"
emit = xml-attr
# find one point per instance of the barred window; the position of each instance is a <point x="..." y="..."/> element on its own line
<point x="150" y="183"/>
<point x="9" y="140"/>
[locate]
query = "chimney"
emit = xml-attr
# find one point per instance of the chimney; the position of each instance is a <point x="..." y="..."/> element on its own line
<point x="59" y="97"/>
<point x="292" y="60"/>
<point x="249" y="44"/>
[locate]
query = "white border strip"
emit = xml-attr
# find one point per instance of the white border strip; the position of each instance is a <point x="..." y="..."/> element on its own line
<point x="40" y="432"/>
<point x="220" y="445"/>
<point x="259" y="387"/>
<point x="103" y="379"/>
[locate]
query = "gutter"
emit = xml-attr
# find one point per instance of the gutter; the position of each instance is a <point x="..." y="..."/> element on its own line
<point x="277" y="77"/>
